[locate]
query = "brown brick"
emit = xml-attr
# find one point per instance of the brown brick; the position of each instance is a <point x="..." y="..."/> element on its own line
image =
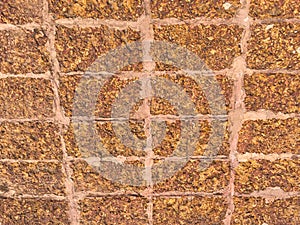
<point x="274" y="46"/>
<point x="276" y="92"/>
<point x="270" y="136"/>
<point x="87" y="178"/>
<point x="191" y="9"/>
<point x="251" y="210"/>
<point x="274" y="9"/>
<point x="77" y="48"/>
<point x="215" y="45"/>
<point x="32" y="178"/>
<point x="23" y="51"/>
<point x="190" y="178"/>
<point x="255" y="175"/>
<point x="119" y="10"/>
<point x="30" y="140"/>
<point x="21" y="12"/>
<point x="33" y="211"/>
<point x="26" y="98"/>
<point x="114" y="210"/>
<point x="189" y="210"/>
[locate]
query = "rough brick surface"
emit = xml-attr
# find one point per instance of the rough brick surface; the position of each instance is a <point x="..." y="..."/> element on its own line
<point x="30" y="140"/>
<point x="270" y="136"/>
<point x="23" y="51"/>
<point x="33" y="211"/>
<point x="20" y="12"/>
<point x="251" y="210"/>
<point x="97" y="9"/>
<point x="255" y="175"/>
<point x="189" y="210"/>
<point x="276" y="92"/>
<point x="274" y="9"/>
<point x="191" y="9"/>
<point x="215" y="45"/>
<point x="28" y="98"/>
<point x="109" y="210"/>
<point x="36" y="178"/>
<point x="274" y="46"/>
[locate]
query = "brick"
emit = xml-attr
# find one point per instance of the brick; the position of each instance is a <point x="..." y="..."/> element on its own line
<point x="256" y="210"/>
<point x="77" y="48"/>
<point x="274" y="46"/>
<point x="189" y="210"/>
<point x="190" y="9"/>
<point x="26" y="98"/>
<point x="190" y="179"/>
<point x="30" y="140"/>
<point x="33" y="211"/>
<point x="87" y="178"/>
<point x="23" y="51"/>
<point x="21" y="12"/>
<point x="263" y="9"/>
<point x="255" y="175"/>
<point x="119" y="10"/>
<point x="113" y="210"/>
<point x="276" y="92"/>
<point x="216" y="45"/>
<point x="36" y="178"/>
<point x="270" y="136"/>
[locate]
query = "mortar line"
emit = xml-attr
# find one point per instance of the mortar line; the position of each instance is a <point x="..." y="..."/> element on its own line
<point x="48" y="22"/>
<point x="239" y="68"/>
<point x="30" y="160"/>
<point x="46" y="75"/>
<point x="147" y="37"/>
<point x="121" y="25"/>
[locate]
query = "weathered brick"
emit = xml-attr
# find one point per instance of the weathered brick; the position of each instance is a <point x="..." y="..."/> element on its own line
<point x="32" y="178"/>
<point x="189" y="210"/>
<point x="263" y="9"/>
<point x="87" y="178"/>
<point x="26" y="98"/>
<point x="215" y="45"/>
<point x="276" y="92"/>
<point x="23" y="51"/>
<point x="77" y="48"/>
<point x="256" y="210"/>
<point x="255" y="175"/>
<point x="33" y="211"/>
<point x="114" y="210"/>
<point x="190" y="178"/>
<point x="119" y="10"/>
<point x="270" y="136"/>
<point x="191" y="9"/>
<point x="30" y="140"/>
<point x="274" y="46"/>
<point x="21" y="12"/>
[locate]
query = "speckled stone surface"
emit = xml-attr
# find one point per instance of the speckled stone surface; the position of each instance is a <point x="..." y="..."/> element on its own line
<point x="189" y="210"/>
<point x="191" y="178"/>
<point x="20" y="12"/>
<point x="30" y="140"/>
<point x="264" y="9"/>
<point x="97" y="9"/>
<point x="33" y="211"/>
<point x="77" y="48"/>
<point x="114" y="210"/>
<point x="251" y="210"/>
<point x="190" y="9"/>
<point x="270" y="136"/>
<point x="23" y="51"/>
<point x="215" y="45"/>
<point x="28" y="98"/>
<point x="274" y="46"/>
<point x="255" y="175"/>
<point x="35" y="178"/>
<point x="276" y="92"/>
